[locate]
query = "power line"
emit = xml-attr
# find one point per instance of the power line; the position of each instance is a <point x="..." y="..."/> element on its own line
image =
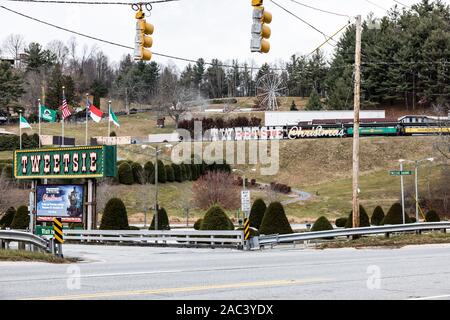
<point x="322" y="44"/>
<point x="402" y="4"/>
<point x="302" y="20"/>
<point x="91" y="2"/>
<point x="376" y="5"/>
<point x="128" y="47"/>
<point x="321" y="10"/>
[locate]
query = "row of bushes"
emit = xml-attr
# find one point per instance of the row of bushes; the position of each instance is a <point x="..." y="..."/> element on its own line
<point x="280" y="187"/>
<point x="13" y="219"/>
<point x="12" y="142"/>
<point x="211" y="123"/>
<point x="130" y="172"/>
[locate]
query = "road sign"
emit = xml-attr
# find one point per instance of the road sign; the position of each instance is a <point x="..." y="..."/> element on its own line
<point x="245" y="201"/>
<point x="400" y="173"/>
<point x="246" y="228"/>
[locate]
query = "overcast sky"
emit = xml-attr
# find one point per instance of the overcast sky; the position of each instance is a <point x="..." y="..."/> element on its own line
<point x="190" y="28"/>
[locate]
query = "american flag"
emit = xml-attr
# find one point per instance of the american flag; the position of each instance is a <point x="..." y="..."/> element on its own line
<point x="64" y="109"/>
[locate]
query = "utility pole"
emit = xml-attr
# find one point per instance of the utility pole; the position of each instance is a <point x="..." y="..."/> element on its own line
<point x="356" y="123"/>
<point x="156" y="188"/>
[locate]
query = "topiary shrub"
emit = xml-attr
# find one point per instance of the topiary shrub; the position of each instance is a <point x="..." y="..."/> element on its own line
<point x="7" y="219"/>
<point x="163" y="220"/>
<point x="340" y="222"/>
<point x="113" y="134"/>
<point x="412" y="219"/>
<point x="21" y="219"/>
<point x="432" y="216"/>
<point x="395" y="215"/>
<point x="162" y="177"/>
<point x="322" y="224"/>
<point x="114" y="216"/>
<point x="275" y="220"/>
<point x="253" y="232"/>
<point x="198" y="224"/>
<point x="183" y="171"/>
<point x="363" y="218"/>
<point x="257" y="213"/>
<point x="187" y="168"/>
<point x="138" y="173"/>
<point x="194" y="172"/>
<point x="216" y="219"/>
<point x="177" y="172"/>
<point x="125" y="174"/>
<point x="149" y="170"/>
<point x="377" y="216"/>
<point x="170" y="175"/>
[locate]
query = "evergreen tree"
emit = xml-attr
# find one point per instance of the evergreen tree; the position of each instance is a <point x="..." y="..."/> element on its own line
<point x="163" y="220"/>
<point x="114" y="216"/>
<point x="11" y="87"/>
<point x="314" y="102"/>
<point x="257" y="213"/>
<point x="275" y="220"/>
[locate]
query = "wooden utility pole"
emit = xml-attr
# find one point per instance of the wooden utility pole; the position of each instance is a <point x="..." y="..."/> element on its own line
<point x="356" y="123"/>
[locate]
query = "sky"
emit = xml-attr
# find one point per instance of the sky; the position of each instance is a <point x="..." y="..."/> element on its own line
<point x="191" y="28"/>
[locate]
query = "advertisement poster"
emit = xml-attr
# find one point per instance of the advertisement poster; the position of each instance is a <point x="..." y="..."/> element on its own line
<point x="62" y="201"/>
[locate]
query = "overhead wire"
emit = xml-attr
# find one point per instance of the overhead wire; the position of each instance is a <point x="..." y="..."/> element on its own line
<point x="92" y="2"/>
<point x="321" y="10"/>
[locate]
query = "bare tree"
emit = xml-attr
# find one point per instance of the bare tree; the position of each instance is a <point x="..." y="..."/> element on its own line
<point x="216" y="187"/>
<point x="441" y="109"/>
<point x="60" y="50"/>
<point x="14" y="45"/>
<point x="11" y="196"/>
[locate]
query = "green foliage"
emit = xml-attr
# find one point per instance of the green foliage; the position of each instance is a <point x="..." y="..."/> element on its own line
<point x="21" y="219"/>
<point x="12" y="83"/>
<point x="432" y="216"/>
<point x="216" y="219"/>
<point x="322" y="224"/>
<point x="194" y="172"/>
<point x="7" y="218"/>
<point x="169" y="173"/>
<point x="114" y="216"/>
<point x="125" y="174"/>
<point x="162" y="177"/>
<point x="257" y="213"/>
<point x="113" y="134"/>
<point x="187" y="169"/>
<point x="163" y="220"/>
<point x="395" y="215"/>
<point x="340" y="222"/>
<point x="314" y="102"/>
<point x="293" y="106"/>
<point x="178" y="175"/>
<point x="275" y="220"/>
<point x="98" y="90"/>
<point x="198" y="224"/>
<point x="57" y="81"/>
<point x="138" y="173"/>
<point x="149" y="169"/>
<point x="38" y="59"/>
<point x="377" y="216"/>
<point x="364" y="220"/>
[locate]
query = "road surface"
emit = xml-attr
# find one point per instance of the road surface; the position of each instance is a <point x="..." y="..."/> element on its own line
<point x="119" y="272"/>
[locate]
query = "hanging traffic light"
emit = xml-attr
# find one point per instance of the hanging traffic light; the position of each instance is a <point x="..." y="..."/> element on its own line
<point x="260" y="31"/>
<point x="143" y="39"/>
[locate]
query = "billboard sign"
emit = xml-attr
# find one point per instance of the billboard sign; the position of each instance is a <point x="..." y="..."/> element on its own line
<point x="60" y="201"/>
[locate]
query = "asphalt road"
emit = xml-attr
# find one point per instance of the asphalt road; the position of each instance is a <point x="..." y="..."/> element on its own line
<point x="118" y="272"/>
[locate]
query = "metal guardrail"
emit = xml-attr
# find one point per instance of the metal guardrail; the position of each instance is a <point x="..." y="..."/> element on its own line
<point x="275" y="239"/>
<point x="7" y="236"/>
<point x="160" y="237"/>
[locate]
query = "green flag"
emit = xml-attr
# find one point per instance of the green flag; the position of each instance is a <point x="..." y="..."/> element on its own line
<point x="24" y="123"/>
<point x="47" y="114"/>
<point x="113" y="117"/>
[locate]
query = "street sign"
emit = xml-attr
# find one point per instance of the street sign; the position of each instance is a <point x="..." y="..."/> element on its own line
<point x="400" y="173"/>
<point x="245" y="201"/>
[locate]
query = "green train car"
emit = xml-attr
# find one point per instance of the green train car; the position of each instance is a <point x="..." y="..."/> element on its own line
<point x="375" y="131"/>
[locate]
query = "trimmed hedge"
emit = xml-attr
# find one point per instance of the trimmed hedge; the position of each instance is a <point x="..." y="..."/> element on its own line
<point x="125" y="174"/>
<point x="377" y="216"/>
<point x="162" y="177"/>
<point x="198" y="224"/>
<point x="432" y="216"/>
<point x="7" y="219"/>
<point x="395" y="215"/>
<point x="149" y="169"/>
<point x="177" y="172"/>
<point x="322" y="224"/>
<point x="163" y="220"/>
<point x="169" y="173"/>
<point x="275" y="220"/>
<point x="138" y="173"/>
<point x="114" y="216"/>
<point x="21" y="218"/>
<point x="257" y="213"/>
<point x="216" y="219"/>
<point x="363" y="218"/>
<point x="187" y="168"/>
<point x="340" y="222"/>
<point x="194" y="172"/>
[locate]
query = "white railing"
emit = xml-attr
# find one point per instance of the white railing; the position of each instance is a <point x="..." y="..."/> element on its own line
<point x="8" y="236"/>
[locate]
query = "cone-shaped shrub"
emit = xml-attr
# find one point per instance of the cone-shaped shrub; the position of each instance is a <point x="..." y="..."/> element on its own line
<point x="432" y="216"/>
<point x="177" y="172"/>
<point x="162" y="178"/>
<point x="149" y="169"/>
<point x="363" y="218"/>
<point x="125" y="173"/>
<point x="275" y="220"/>
<point x="377" y="216"/>
<point x="7" y="219"/>
<point x="21" y="219"/>
<point x="322" y="224"/>
<point x="183" y="172"/>
<point x="114" y="216"/>
<point x="198" y="224"/>
<point x="216" y="219"/>
<point x="163" y="220"/>
<point x="187" y="167"/>
<point x="169" y="173"/>
<point x="194" y="172"/>
<point x="412" y="219"/>
<point x="340" y="222"/>
<point x="395" y="215"/>
<point x="138" y="173"/>
<point x="257" y="213"/>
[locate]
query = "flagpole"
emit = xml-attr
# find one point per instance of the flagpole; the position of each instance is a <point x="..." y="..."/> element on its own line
<point x="39" y="102"/>
<point x="109" y="119"/>
<point x="62" y="118"/>
<point x="87" y="106"/>
<point x="20" y="131"/>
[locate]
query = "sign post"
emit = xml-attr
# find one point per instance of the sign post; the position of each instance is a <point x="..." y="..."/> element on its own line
<point x="58" y="235"/>
<point x="401" y="173"/>
<point x="245" y="206"/>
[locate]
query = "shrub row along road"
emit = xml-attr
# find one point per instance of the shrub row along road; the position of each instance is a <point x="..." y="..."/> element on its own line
<point x="117" y="272"/>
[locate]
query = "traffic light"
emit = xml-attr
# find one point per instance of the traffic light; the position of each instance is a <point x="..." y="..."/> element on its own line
<point x="260" y="31"/>
<point x="143" y="39"/>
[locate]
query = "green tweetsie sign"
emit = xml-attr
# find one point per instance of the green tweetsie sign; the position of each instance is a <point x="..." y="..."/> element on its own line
<point x="60" y="163"/>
